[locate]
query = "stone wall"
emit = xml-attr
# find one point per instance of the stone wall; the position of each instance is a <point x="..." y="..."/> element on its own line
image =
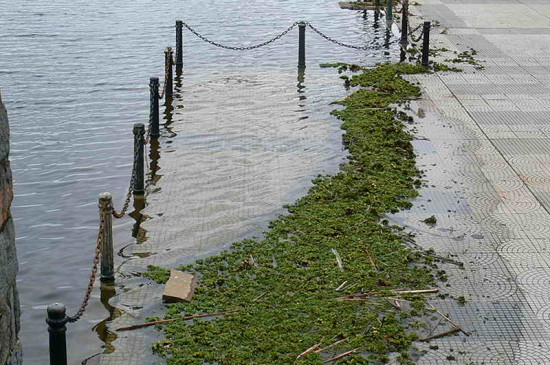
<point x="10" y="347"/>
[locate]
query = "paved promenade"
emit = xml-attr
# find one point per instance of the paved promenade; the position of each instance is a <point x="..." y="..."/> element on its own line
<point x="484" y="144"/>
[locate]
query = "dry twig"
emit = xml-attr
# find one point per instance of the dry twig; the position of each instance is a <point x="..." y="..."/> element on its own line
<point x="442" y="334"/>
<point x="309" y="350"/>
<point x="337" y="357"/>
<point x="147" y="324"/>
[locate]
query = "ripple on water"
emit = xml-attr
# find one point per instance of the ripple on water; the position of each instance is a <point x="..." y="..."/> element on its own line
<point x="74" y="76"/>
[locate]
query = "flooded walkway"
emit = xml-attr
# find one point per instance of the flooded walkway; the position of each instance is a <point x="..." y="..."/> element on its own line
<point x="243" y="139"/>
<point x="236" y="147"/>
<point x="484" y="147"/>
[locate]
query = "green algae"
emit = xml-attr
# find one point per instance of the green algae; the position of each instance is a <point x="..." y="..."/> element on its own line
<point x="286" y="286"/>
<point x="430" y="220"/>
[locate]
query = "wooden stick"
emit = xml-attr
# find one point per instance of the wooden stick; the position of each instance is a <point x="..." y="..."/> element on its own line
<point x="361" y="295"/>
<point x="343" y="354"/>
<point x="147" y="324"/>
<point x="449" y="320"/>
<point x="395" y="303"/>
<point x="433" y="329"/>
<point x="309" y="350"/>
<point x="369" y="256"/>
<point x="446" y="333"/>
<point x="332" y="345"/>
<point x="338" y="259"/>
<point x="259" y="297"/>
<point x="341" y="286"/>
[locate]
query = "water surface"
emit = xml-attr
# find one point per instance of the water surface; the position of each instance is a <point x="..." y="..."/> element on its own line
<point x="74" y="76"/>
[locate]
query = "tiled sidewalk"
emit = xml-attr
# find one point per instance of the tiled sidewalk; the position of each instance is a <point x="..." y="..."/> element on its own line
<point x="484" y="145"/>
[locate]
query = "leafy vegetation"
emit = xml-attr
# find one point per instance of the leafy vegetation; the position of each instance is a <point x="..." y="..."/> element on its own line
<point x="334" y="243"/>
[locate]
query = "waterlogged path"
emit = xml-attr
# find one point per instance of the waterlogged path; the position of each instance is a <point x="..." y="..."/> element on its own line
<point x="245" y="138"/>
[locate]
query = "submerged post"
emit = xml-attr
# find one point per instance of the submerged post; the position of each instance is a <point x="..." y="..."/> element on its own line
<point x="179" y="44"/>
<point x="154" y="112"/>
<point x="426" y="44"/>
<point x="389" y="11"/>
<point x="107" y="257"/>
<point x="56" y="320"/>
<point x="404" y="24"/>
<point x="169" y="81"/>
<point x="302" y="45"/>
<point x="139" y="172"/>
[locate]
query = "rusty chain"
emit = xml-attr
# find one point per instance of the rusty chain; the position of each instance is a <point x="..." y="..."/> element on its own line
<point x="91" y="281"/>
<point x="240" y="48"/>
<point x="126" y="204"/>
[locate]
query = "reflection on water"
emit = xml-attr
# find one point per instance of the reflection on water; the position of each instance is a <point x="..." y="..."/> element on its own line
<point x="138" y="232"/>
<point x="74" y="75"/>
<point x="108" y="290"/>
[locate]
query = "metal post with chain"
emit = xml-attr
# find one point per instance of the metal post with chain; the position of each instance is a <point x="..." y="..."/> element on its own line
<point x="168" y="72"/>
<point x="247" y="48"/>
<point x="107" y="250"/>
<point x="404" y="41"/>
<point x="426" y="44"/>
<point x="302" y="45"/>
<point x="153" y="129"/>
<point x="372" y="45"/>
<point x="138" y="170"/>
<point x="56" y="313"/>
<point x="179" y="44"/>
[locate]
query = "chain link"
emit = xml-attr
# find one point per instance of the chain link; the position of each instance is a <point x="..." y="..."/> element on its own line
<point x="240" y="48"/>
<point x="126" y="205"/>
<point x="167" y="65"/>
<point x="364" y="48"/>
<point x="100" y="239"/>
<point x="411" y="33"/>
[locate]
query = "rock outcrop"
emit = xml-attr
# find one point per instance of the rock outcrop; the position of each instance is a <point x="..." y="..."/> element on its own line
<point x="10" y="347"/>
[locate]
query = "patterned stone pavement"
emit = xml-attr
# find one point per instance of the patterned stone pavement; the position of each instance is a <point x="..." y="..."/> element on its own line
<point x="484" y="144"/>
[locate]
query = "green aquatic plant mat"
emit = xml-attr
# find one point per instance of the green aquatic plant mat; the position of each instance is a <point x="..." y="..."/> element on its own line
<point x="288" y="287"/>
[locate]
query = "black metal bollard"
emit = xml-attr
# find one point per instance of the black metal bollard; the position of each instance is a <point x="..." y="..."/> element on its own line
<point x="107" y="250"/>
<point x="404" y="24"/>
<point x="154" y="114"/>
<point x="179" y="43"/>
<point x="389" y="11"/>
<point x="426" y="44"/>
<point x="168" y="62"/>
<point x="56" y="320"/>
<point x="302" y="45"/>
<point x="139" y="172"/>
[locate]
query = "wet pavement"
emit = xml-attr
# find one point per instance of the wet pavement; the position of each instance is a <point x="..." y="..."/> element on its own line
<point x="228" y="167"/>
<point x="483" y="144"/>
